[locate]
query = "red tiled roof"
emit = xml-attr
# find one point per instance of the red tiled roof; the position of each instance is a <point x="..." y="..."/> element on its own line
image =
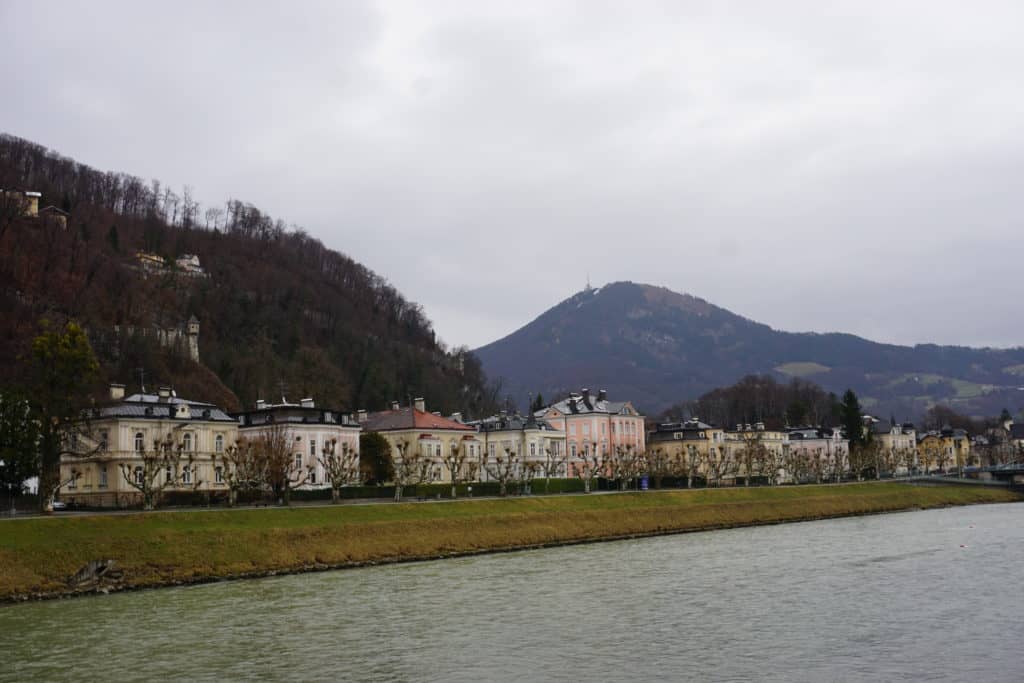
<point x="410" y="418"/>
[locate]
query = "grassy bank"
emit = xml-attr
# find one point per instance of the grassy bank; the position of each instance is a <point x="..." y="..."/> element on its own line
<point x="37" y="556"/>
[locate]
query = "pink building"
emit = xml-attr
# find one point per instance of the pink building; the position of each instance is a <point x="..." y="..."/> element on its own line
<point x="595" y="423"/>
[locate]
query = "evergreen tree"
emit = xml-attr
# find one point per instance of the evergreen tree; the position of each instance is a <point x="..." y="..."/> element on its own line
<point x="851" y="419"/>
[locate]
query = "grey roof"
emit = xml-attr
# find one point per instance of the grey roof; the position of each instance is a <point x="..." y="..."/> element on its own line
<point x="1017" y="431"/>
<point x="153" y="406"/>
<point x="515" y="422"/>
<point x="586" y="405"/>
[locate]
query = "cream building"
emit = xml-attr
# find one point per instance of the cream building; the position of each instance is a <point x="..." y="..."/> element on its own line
<point x="533" y="442"/>
<point x="125" y="428"/>
<point x="309" y="430"/>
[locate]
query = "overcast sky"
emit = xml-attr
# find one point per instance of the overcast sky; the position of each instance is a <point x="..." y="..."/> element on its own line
<point x="814" y="166"/>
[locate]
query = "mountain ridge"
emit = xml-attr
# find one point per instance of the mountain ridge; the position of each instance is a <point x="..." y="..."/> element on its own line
<point x="658" y="347"/>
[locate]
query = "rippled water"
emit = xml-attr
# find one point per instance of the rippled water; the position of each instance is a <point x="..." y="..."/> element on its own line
<point x="888" y="597"/>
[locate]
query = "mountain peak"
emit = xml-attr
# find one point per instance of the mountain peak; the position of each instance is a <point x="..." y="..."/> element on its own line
<point x="657" y="347"/>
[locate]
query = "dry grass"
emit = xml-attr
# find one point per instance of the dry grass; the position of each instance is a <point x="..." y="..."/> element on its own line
<point x="38" y="555"/>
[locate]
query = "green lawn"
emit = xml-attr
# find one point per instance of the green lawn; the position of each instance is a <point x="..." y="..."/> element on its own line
<point x="38" y="555"/>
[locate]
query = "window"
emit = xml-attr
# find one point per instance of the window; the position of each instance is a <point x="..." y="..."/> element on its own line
<point x="73" y="482"/>
<point x="103" y="477"/>
<point x="312" y="476"/>
<point x="586" y="428"/>
<point x="186" y="475"/>
<point x="170" y="473"/>
<point x="312" y="448"/>
<point x="602" y="429"/>
<point x="438" y="450"/>
<point x="139" y="475"/>
<point x="572" y="429"/>
<point x="533" y="449"/>
<point x="490" y="450"/>
<point x="104" y="440"/>
<point x="572" y="450"/>
<point x="298" y="461"/>
<point x="186" y="442"/>
<point x="218" y="443"/>
<point x="140" y="442"/>
<point x="218" y="475"/>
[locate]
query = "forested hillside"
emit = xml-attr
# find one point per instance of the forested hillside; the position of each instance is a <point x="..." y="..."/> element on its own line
<point x="276" y="307"/>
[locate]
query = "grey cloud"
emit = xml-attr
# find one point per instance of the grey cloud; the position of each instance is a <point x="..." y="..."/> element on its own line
<point x="822" y="166"/>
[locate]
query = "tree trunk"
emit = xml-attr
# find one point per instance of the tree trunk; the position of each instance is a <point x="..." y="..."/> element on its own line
<point x="453" y="489"/>
<point x="398" y="493"/>
<point x="232" y="498"/>
<point x="335" y="495"/>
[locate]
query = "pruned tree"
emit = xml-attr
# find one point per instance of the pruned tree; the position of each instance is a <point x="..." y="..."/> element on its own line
<point x="284" y="469"/>
<point x="503" y="467"/>
<point x="553" y="464"/>
<point x="622" y="465"/>
<point x="719" y="463"/>
<point x="660" y="464"/>
<point x="243" y="469"/>
<point x="341" y="466"/>
<point x="692" y="461"/>
<point x="458" y="463"/>
<point x="410" y="468"/>
<point x="591" y="465"/>
<point x="165" y="465"/>
<point x="751" y="457"/>
<point x="528" y="470"/>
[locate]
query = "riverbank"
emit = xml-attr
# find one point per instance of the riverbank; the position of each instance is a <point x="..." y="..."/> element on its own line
<point x="38" y="557"/>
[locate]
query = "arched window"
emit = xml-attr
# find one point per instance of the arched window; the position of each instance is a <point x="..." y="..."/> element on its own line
<point x="186" y="442"/>
<point x="218" y="443"/>
<point x="140" y="442"/>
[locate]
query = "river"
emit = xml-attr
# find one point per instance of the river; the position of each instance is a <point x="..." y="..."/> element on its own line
<point x="934" y="595"/>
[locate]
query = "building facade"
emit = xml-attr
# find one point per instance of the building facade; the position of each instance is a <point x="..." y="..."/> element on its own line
<point x="593" y="424"/>
<point x="309" y="431"/>
<point x="122" y="431"/>
<point x="431" y="435"/>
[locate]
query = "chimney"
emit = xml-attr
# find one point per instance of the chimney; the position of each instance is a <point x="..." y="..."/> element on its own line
<point x="116" y="392"/>
<point x="306" y="403"/>
<point x="420" y="404"/>
<point x="586" y="394"/>
<point x="260" y="404"/>
<point x="739" y="427"/>
<point x="165" y="392"/>
<point x="602" y="395"/>
<point x="361" y="415"/>
<point x="759" y="426"/>
<point x="456" y="417"/>
<point x="394" y="405"/>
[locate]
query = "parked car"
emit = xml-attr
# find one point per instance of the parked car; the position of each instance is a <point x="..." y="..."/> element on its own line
<point x="59" y="505"/>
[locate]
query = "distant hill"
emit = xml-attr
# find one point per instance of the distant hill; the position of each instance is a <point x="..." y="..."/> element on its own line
<point x="278" y="311"/>
<point x="657" y="347"/>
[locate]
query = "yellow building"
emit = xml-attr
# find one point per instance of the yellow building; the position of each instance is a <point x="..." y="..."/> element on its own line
<point x="944" y="450"/>
<point x="432" y="436"/>
<point x="126" y="428"/>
